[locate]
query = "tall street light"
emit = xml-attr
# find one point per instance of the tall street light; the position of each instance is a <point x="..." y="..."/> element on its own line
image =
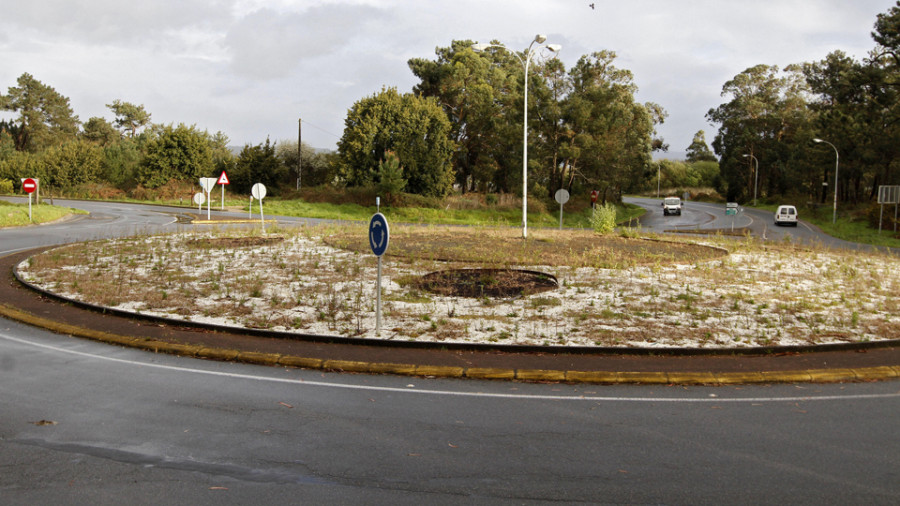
<point x="836" y="160"/>
<point x="755" y="177"/>
<point x="532" y="50"/>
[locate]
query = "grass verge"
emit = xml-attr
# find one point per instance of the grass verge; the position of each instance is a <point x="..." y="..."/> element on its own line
<point x="16" y="215"/>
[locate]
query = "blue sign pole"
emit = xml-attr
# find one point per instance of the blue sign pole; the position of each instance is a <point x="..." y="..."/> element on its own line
<point x="379" y="237"/>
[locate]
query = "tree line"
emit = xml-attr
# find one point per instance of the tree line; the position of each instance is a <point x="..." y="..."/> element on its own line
<point x="459" y="129"/>
<point x="783" y="120"/>
<point x="130" y="154"/>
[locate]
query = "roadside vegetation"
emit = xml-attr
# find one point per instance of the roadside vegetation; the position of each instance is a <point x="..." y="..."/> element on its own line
<point x="16" y="215"/>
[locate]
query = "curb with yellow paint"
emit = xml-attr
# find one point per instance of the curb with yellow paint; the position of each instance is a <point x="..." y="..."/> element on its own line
<point x="543" y="375"/>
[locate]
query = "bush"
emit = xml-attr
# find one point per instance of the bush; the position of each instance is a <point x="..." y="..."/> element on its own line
<point x="6" y="186"/>
<point x="873" y="215"/>
<point x="603" y="219"/>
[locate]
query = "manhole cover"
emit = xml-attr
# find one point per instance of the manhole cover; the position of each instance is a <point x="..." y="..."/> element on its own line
<point x="487" y="282"/>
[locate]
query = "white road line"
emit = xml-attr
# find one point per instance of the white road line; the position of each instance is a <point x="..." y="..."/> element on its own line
<point x="411" y="390"/>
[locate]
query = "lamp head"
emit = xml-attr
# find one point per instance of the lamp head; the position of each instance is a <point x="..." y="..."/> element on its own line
<point x="540" y="39"/>
<point x="554" y="47"/>
<point x="478" y="48"/>
<point x="818" y="140"/>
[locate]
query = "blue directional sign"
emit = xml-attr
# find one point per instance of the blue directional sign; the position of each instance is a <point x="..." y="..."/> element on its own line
<point x="379" y="234"/>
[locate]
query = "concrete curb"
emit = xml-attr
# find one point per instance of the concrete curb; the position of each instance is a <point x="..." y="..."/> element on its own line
<point x="539" y="375"/>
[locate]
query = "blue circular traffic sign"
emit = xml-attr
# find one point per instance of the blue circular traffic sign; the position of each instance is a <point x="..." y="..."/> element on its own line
<point x="379" y="234"/>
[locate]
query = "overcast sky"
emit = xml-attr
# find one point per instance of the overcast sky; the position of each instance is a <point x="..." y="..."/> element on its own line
<point x="251" y="68"/>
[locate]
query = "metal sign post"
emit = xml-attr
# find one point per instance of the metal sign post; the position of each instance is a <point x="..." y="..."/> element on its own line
<point x="379" y="237"/>
<point x="223" y="180"/>
<point x="199" y="199"/>
<point x="29" y="185"/>
<point x="208" y="183"/>
<point x="731" y="211"/>
<point x="888" y="195"/>
<point x="258" y="192"/>
<point x="562" y="196"/>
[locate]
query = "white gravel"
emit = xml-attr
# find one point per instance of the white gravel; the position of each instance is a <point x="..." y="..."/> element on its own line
<point x="755" y="296"/>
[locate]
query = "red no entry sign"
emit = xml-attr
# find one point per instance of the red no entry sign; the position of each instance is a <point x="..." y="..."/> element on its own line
<point x="29" y="185"/>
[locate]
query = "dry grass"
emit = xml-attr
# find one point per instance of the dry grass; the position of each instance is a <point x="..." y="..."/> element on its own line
<point x="613" y="291"/>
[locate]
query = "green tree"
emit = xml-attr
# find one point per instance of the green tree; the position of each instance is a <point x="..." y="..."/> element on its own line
<point x="315" y="167"/>
<point x="120" y="163"/>
<point x="413" y="127"/>
<point x="45" y="117"/>
<point x="100" y="131"/>
<point x="699" y="151"/>
<point x="767" y="117"/>
<point x="611" y="134"/>
<point x="391" y="182"/>
<point x="481" y="94"/>
<point x="21" y="164"/>
<point x="181" y="153"/>
<point x="258" y="164"/>
<point x="71" y="164"/>
<point x="129" y="117"/>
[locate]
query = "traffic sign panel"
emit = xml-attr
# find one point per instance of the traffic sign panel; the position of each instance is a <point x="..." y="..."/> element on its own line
<point x="379" y="234"/>
<point x="207" y="183"/>
<point x="258" y="191"/>
<point x="29" y="185"/>
<point x="223" y="179"/>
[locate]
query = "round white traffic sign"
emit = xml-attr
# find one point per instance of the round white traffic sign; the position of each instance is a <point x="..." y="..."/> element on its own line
<point x="199" y="198"/>
<point x="258" y="191"/>
<point x="562" y="196"/>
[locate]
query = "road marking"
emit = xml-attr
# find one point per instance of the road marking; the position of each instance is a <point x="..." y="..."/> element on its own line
<point x="450" y="393"/>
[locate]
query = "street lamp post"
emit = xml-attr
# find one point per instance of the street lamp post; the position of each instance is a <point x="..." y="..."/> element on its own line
<point x="837" y="158"/>
<point x="539" y="39"/>
<point x="755" y="177"/>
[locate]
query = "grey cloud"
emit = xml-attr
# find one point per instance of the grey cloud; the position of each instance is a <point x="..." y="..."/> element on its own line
<point x="270" y="44"/>
<point x="114" y="21"/>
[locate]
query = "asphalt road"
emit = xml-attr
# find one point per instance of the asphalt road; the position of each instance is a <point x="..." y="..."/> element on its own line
<point x="707" y="216"/>
<point x="86" y="423"/>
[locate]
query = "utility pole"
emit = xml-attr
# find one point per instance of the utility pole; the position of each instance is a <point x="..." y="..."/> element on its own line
<point x="299" y="150"/>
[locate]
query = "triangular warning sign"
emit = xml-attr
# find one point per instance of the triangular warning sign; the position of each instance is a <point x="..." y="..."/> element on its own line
<point x="223" y="179"/>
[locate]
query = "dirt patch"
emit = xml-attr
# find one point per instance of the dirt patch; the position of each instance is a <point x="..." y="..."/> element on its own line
<point x="487" y="282"/>
<point x="234" y="242"/>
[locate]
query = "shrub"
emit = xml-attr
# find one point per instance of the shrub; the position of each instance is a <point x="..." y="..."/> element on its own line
<point x="603" y="219"/>
<point x="6" y="186"/>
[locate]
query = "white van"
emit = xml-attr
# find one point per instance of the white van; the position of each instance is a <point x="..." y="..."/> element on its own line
<point x="786" y="215"/>
<point x="671" y="205"/>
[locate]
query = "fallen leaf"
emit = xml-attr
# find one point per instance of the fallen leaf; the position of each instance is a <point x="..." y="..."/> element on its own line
<point x="218" y="488"/>
<point x="413" y="454"/>
<point x="44" y="422"/>
<point x="452" y="445"/>
<point x="286" y="405"/>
